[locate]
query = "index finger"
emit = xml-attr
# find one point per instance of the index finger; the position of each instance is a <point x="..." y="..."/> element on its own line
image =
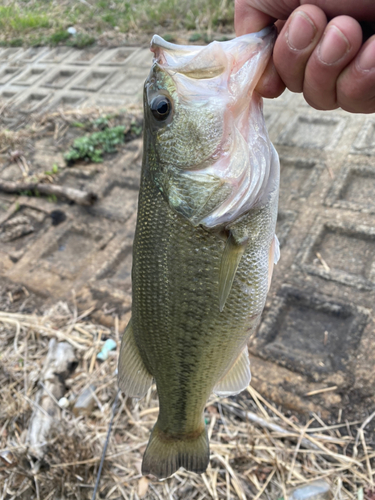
<point x="248" y="19"/>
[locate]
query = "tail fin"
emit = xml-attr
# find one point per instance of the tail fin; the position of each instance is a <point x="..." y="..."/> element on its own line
<point x="164" y="455"/>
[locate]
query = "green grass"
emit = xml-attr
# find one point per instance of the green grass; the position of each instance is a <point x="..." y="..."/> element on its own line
<point x="40" y="22"/>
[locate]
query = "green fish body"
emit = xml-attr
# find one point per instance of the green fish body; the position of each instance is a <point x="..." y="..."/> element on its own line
<point x="205" y="240"/>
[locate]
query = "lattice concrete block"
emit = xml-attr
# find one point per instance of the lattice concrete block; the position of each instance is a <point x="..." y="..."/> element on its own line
<point x="298" y="177"/>
<point x="33" y="54"/>
<point x="8" y="95"/>
<point x="285" y="221"/>
<point x="30" y="76"/>
<point x="8" y="55"/>
<point x="354" y="189"/>
<point x="7" y="73"/>
<point x="92" y="81"/>
<point x="128" y="84"/>
<point x="67" y="101"/>
<point x="56" y="55"/>
<point x="365" y="141"/>
<point x="118" y="57"/>
<point x="60" y="78"/>
<point x="317" y="132"/>
<point x="86" y="56"/>
<point x="33" y="102"/>
<point x="342" y="252"/>
<point x="311" y="334"/>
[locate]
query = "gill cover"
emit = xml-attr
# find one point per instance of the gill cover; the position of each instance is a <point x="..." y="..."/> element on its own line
<point x="210" y="154"/>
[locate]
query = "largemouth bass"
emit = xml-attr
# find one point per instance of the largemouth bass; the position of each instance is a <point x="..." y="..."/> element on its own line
<point x="205" y="243"/>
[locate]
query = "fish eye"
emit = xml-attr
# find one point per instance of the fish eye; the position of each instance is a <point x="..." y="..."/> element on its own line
<point x="161" y="107"/>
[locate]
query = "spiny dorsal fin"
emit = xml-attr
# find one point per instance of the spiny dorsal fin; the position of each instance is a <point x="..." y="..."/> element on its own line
<point x="233" y="252"/>
<point x="238" y="377"/>
<point x="133" y="378"/>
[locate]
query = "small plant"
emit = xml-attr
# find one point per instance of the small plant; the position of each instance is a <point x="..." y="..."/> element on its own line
<point x="16" y="42"/>
<point x="195" y="37"/>
<point x="93" y="146"/>
<point x="81" y="41"/>
<point x="58" y="37"/>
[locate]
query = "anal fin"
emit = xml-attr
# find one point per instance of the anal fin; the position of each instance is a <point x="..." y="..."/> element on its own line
<point x="133" y="378"/>
<point x="237" y="378"/>
<point x="232" y="255"/>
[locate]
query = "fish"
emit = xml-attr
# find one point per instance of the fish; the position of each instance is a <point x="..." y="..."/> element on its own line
<point x="205" y="243"/>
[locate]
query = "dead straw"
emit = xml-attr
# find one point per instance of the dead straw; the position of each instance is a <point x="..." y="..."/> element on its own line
<point x="256" y="451"/>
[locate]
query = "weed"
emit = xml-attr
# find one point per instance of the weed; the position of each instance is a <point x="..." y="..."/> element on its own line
<point x="195" y="37"/>
<point x="93" y="146"/>
<point x="16" y="42"/>
<point x="58" y="37"/>
<point x="169" y="38"/>
<point x="81" y="40"/>
<point x="78" y="125"/>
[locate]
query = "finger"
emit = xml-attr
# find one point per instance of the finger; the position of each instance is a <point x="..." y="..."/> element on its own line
<point x="270" y="84"/>
<point x="339" y="45"/>
<point x="356" y="84"/>
<point x="248" y="19"/>
<point x="295" y="44"/>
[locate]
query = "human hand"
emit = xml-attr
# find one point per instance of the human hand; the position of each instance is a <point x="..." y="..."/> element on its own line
<point x="325" y="60"/>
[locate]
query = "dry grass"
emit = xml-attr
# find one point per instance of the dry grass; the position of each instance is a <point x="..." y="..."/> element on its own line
<point x="256" y="452"/>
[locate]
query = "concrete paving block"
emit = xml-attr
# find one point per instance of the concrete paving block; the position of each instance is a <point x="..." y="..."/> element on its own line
<point x="298" y="177"/>
<point x="340" y="251"/>
<point x="32" y="102"/>
<point x="270" y="118"/>
<point x="118" y="202"/>
<point x="32" y="54"/>
<point x="142" y="59"/>
<point x="365" y="141"/>
<point x="85" y="57"/>
<point x="354" y="189"/>
<point x="30" y="76"/>
<point x="8" y="95"/>
<point x="7" y="73"/>
<point x="285" y="221"/>
<point x="56" y="55"/>
<point x="67" y="101"/>
<point x="317" y="132"/>
<point x="129" y="83"/>
<point x="92" y="80"/>
<point x="286" y="338"/>
<point x="19" y="229"/>
<point x="60" y="78"/>
<point x="10" y="54"/>
<point x="117" y="57"/>
<point x="108" y="102"/>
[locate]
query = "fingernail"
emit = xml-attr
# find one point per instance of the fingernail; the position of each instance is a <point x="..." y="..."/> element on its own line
<point x="367" y="57"/>
<point x="301" y="31"/>
<point x="334" y="46"/>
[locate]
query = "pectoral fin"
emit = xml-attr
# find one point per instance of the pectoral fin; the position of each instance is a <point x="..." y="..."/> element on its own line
<point x="273" y="258"/>
<point x="233" y="252"/>
<point x="133" y="378"/>
<point x="238" y="377"/>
